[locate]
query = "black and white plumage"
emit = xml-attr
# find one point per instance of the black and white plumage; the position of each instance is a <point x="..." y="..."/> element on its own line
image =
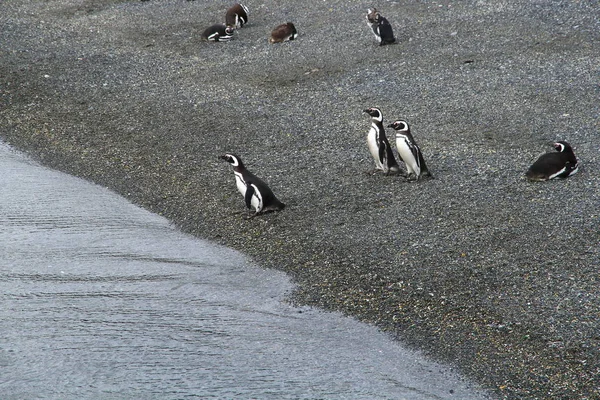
<point x="378" y="143"/>
<point x="256" y="193"/>
<point x="218" y="33"/>
<point x="237" y="16"/>
<point x="409" y="151"/>
<point x="559" y="164"/>
<point x="380" y="26"/>
<point x="283" y="33"/>
<point x="253" y="197"/>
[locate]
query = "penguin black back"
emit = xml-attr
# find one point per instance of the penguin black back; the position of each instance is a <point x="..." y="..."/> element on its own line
<point x="256" y="192"/>
<point x="559" y="164"/>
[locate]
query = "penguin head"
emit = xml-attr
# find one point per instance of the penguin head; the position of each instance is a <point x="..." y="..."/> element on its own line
<point x="399" y="125"/>
<point x="563" y="147"/>
<point x="229" y="30"/>
<point x="232" y="159"/>
<point x="375" y="113"/>
<point x="372" y="15"/>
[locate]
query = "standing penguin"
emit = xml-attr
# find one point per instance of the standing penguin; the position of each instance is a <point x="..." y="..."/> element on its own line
<point x="237" y="16"/>
<point x="380" y="26"/>
<point x="379" y="145"/>
<point x="560" y="164"/>
<point x="256" y="193"/>
<point x="283" y="32"/>
<point x="218" y="33"/>
<point x="409" y="151"/>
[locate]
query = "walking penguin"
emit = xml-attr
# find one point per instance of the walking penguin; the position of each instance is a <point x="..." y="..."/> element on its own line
<point x="380" y="26"/>
<point x="256" y="192"/>
<point x="379" y="146"/>
<point x="409" y="151"/>
<point x="559" y="164"/>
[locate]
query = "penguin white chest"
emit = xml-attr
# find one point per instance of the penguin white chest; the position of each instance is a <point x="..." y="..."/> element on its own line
<point x="373" y="143"/>
<point x="375" y="28"/>
<point x="256" y="200"/>
<point x="405" y="150"/>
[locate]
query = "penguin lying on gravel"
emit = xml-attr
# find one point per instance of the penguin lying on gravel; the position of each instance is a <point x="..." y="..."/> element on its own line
<point x="283" y="33"/>
<point x="559" y="164"/>
<point x="256" y="193"/>
<point x="378" y="143"/>
<point x="380" y="26"/>
<point x="409" y="151"/>
<point x="218" y="33"/>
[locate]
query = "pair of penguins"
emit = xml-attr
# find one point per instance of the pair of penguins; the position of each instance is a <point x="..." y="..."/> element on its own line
<point x="235" y="18"/>
<point x="407" y="147"/>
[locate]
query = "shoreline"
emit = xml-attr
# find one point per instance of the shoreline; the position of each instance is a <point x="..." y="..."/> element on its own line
<point x="476" y="267"/>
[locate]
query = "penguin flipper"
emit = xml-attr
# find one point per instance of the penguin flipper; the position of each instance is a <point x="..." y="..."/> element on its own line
<point x="248" y="195"/>
<point x="383" y="154"/>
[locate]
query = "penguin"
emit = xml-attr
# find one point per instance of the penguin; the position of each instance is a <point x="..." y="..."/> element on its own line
<point x="379" y="145"/>
<point x="236" y="16"/>
<point x="256" y="192"/>
<point x="283" y="32"/>
<point x="381" y="27"/>
<point x="218" y="33"/>
<point x="559" y="164"/>
<point x="409" y="151"/>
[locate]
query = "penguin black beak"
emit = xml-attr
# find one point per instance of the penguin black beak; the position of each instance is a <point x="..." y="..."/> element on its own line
<point x="390" y="126"/>
<point x="366" y="110"/>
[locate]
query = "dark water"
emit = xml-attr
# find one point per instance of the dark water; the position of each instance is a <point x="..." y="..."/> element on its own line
<point x="101" y="299"/>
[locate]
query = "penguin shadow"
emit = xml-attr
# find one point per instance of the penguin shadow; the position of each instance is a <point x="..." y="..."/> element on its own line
<point x="250" y="215"/>
<point x="400" y="174"/>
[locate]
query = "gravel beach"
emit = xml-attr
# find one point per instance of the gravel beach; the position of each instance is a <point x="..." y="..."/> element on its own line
<point x="477" y="267"/>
